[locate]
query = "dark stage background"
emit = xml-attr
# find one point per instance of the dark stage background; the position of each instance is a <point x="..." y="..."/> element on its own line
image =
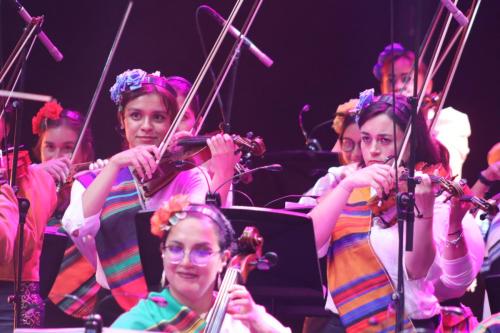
<point x="323" y="51"/>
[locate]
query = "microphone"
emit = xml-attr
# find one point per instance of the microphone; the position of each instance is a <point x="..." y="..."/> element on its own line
<point x="305" y="108"/>
<point x="312" y="144"/>
<point x="213" y="198"/>
<point x="455" y="12"/>
<point x="54" y="52"/>
<point x="263" y="58"/>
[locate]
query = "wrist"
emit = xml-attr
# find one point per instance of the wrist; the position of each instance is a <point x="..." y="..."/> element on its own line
<point x="454" y="232"/>
<point x="346" y="185"/>
<point x="454" y="240"/>
<point x="485" y="178"/>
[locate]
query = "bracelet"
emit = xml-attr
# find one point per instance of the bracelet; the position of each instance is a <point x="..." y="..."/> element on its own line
<point x="422" y="217"/>
<point x="485" y="180"/>
<point x="455" y="232"/>
<point x="454" y="242"/>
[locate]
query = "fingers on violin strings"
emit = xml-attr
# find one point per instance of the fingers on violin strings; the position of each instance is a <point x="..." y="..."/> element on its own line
<point x="65" y="160"/>
<point x="60" y="170"/>
<point x="154" y="151"/>
<point x="147" y="162"/>
<point x="138" y="167"/>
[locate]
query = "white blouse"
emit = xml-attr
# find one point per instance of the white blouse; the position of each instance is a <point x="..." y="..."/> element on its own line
<point x="445" y="279"/>
<point x="83" y="230"/>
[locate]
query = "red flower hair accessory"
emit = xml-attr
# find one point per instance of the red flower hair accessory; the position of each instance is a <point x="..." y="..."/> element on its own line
<point x="50" y="110"/>
<point x="169" y="214"/>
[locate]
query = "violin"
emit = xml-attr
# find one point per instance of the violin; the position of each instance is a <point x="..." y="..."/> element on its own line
<point x="438" y="175"/>
<point x="6" y="164"/>
<point x="191" y="152"/>
<point x="250" y="246"/>
<point x="64" y="189"/>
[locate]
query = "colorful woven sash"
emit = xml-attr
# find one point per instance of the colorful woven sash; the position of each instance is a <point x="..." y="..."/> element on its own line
<point x="116" y="241"/>
<point x="75" y="288"/>
<point x="76" y="279"/>
<point x="357" y="280"/>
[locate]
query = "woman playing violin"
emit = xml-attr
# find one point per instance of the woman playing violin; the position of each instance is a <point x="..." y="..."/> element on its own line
<point x="197" y="241"/>
<point x="38" y="187"/>
<point x="58" y="129"/>
<point x="223" y="158"/>
<point x="365" y="247"/>
<point x="103" y="205"/>
<point x="452" y="128"/>
<point x="347" y="146"/>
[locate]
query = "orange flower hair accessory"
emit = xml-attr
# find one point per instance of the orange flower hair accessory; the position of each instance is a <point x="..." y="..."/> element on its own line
<point x="169" y="214"/>
<point x="50" y="110"/>
<point x="343" y="110"/>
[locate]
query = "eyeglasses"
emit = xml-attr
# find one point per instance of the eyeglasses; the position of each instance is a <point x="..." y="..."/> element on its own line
<point x="197" y="256"/>
<point x="347" y="145"/>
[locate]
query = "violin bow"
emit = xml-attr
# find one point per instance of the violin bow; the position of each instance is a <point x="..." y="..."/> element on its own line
<point x="200" y="77"/>
<point x="214" y="92"/>
<point x="100" y="84"/>
<point x="432" y="67"/>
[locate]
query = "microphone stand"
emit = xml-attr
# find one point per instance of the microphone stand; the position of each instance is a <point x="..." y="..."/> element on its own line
<point x="18" y="59"/>
<point x="226" y="125"/>
<point x="233" y="56"/>
<point x="406" y="203"/>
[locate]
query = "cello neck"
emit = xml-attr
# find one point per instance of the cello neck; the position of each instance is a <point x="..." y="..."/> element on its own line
<point x="218" y="312"/>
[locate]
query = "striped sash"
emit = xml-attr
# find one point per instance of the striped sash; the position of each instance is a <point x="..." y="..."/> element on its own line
<point x="116" y="241"/>
<point x="76" y="278"/>
<point x="357" y="280"/>
<point x="75" y="288"/>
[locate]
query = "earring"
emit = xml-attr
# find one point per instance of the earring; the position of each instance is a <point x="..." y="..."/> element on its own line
<point x="219" y="280"/>
<point x="163" y="279"/>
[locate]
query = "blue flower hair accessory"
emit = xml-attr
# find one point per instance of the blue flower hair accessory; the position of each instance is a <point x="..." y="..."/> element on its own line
<point x="365" y="98"/>
<point x="133" y="80"/>
<point x="384" y="55"/>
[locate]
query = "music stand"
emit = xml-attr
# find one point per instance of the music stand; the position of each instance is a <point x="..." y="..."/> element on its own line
<point x="293" y="286"/>
<point x="51" y="257"/>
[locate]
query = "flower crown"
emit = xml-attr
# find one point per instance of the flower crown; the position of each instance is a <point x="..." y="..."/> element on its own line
<point x="169" y="214"/>
<point x="134" y="79"/>
<point x="366" y="97"/>
<point x="50" y="110"/>
<point x="343" y="111"/>
<point x="384" y="55"/>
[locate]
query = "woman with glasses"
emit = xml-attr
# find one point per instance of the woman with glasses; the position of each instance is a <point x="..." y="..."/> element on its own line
<point x="197" y="241"/>
<point x="347" y="146"/>
<point x="362" y="241"/>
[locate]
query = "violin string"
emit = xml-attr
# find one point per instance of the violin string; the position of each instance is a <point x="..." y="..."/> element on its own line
<point x="222" y="298"/>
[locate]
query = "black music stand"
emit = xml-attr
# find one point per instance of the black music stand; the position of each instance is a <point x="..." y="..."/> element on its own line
<point x="54" y="246"/>
<point x="292" y="287"/>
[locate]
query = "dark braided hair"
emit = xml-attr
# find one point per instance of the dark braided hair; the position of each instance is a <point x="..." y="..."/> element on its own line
<point x="224" y="228"/>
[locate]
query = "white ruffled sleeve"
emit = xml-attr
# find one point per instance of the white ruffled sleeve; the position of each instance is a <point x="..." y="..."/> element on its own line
<point x="81" y="230"/>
